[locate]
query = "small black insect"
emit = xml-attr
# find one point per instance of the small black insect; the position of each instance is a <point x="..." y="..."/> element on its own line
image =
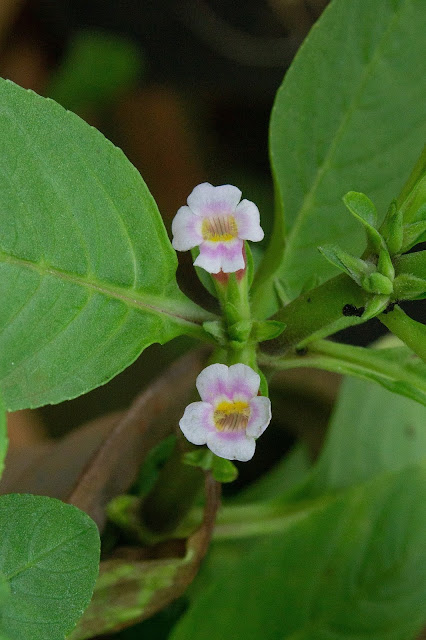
<point x="351" y="310"/>
<point x="390" y="307"/>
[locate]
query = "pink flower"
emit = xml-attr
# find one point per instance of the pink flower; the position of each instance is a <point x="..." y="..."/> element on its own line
<point x="231" y="415"/>
<point x="217" y="222"/>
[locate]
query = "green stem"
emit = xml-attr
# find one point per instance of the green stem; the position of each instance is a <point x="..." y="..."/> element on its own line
<point x="173" y="495"/>
<point x="318" y="313"/>
<point x="410" y="331"/>
<point x="357" y="361"/>
<point x="257" y="519"/>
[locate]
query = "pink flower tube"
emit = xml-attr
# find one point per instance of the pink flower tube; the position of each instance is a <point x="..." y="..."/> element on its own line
<point x="217" y="222"/>
<point x="231" y="415"/>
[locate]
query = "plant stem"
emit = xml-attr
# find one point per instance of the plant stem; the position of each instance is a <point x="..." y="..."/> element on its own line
<point x="173" y="495"/>
<point x="256" y="519"/>
<point x="410" y="331"/>
<point x="357" y="361"/>
<point x="319" y="313"/>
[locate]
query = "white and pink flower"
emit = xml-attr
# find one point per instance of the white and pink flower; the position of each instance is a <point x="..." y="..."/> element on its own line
<point x="231" y="415"/>
<point x="217" y="222"/>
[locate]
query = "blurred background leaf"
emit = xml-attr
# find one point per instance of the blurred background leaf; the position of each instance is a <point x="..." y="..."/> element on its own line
<point x="98" y="69"/>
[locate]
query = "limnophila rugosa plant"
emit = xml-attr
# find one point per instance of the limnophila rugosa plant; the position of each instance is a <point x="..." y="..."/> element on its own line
<point x="325" y="550"/>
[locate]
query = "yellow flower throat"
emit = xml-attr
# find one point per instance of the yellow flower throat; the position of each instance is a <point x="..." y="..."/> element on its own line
<point x="231" y="416"/>
<point x="219" y="228"/>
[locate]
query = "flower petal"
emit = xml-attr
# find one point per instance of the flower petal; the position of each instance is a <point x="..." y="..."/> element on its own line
<point x="260" y="416"/>
<point x="206" y="200"/>
<point x="215" y="256"/>
<point x="210" y="257"/>
<point x="243" y="381"/>
<point x="186" y="229"/>
<point x="248" y="221"/>
<point x="232" y="256"/>
<point x="232" y="446"/>
<point x="212" y="382"/>
<point x="197" y="422"/>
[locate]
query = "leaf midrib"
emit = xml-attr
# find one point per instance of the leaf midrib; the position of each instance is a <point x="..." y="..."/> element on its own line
<point x="178" y="311"/>
<point x="31" y="563"/>
<point x="322" y="170"/>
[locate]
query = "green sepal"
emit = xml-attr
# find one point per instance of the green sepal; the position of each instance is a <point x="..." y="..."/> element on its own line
<point x="233" y="287"/>
<point x="413" y="234"/>
<point x="385" y="265"/>
<point x="204" y="276"/>
<point x="377" y="283"/>
<point x="267" y="330"/>
<point x="361" y="207"/>
<point x="376" y="305"/>
<point x="355" y="268"/>
<point x="392" y="229"/>
<point x="264" y="387"/>
<point x="250" y="264"/>
<point x="240" y="331"/>
<point x="222" y="470"/>
<point x="216" y="329"/>
<point x="409" y="287"/>
<point x="231" y="313"/>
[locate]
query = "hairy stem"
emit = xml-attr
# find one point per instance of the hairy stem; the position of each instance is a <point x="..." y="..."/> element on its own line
<point x="328" y="308"/>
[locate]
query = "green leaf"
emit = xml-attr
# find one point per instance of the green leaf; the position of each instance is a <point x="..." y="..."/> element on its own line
<point x="411" y="200"/>
<point x="99" y="66"/>
<point x="409" y="287"/>
<point x="361" y="208"/>
<point x="49" y="555"/>
<point x="87" y="273"/>
<point x="336" y="125"/>
<point x="413" y="234"/>
<point x="365" y="212"/>
<point x="355" y="268"/>
<point x="377" y="283"/>
<point x="267" y="330"/>
<point x="222" y="470"/>
<point x="372" y="431"/>
<point x="411" y="263"/>
<point x="392" y="229"/>
<point x="355" y="568"/>
<point x="289" y="472"/>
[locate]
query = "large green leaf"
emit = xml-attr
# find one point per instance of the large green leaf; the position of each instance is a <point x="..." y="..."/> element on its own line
<point x="372" y="430"/>
<point x="354" y="569"/>
<point x="87" y="273"/>
<point x="49" y="556"/>
<point x="336" y="126"/>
